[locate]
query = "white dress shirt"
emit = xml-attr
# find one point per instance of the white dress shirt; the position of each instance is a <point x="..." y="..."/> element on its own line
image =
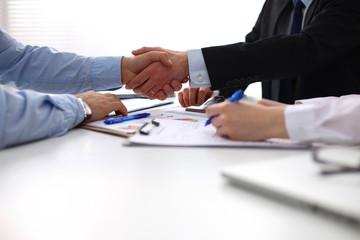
<point x="329" y="119"/>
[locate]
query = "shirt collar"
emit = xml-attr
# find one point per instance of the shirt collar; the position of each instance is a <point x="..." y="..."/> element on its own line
<point x="305" y="2"/>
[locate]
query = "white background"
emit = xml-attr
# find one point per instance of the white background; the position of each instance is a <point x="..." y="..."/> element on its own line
<point x="115" y="27"/>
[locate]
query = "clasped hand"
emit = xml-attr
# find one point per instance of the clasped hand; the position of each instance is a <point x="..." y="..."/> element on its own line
<point x="159" y="80"/>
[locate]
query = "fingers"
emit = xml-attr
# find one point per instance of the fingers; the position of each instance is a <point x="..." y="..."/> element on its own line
<point x="220" y="131"/>
<point x="139" y="80"/>
<point x="119" y="107"/>
<point x="164" y="59"/>
<point x="215" y="109"/>
<point x="112" y="103"/>
<point x="168" y="90"/>
<point x="185" y="80"/>
<point x="176" y="85"/>
<point x="131" y="66"/>
<point x="150" y="80"/>
<point x="150" y="87"/>
<point x="193" y="94"/>
<point x="161" y="95"/>
<point x="157" y="94"/>
<point x="218" y="119"/>
<point x="181" y="99"/>
<point x="203" y="95"/>
<point x="145" y="50"/>
<point x="103" y="104"/>
<point x="187" y="97"/>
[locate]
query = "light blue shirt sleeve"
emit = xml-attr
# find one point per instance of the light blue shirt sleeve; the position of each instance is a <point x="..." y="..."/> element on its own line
<point x="45" y="69"/>
<point x="27" y="115"/>
<point x="199" y="76"/>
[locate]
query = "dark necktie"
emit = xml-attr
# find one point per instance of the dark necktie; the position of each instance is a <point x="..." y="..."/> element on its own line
<point x="286" y="91"/>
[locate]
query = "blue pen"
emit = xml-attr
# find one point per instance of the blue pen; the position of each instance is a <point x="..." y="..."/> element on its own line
<point x="127" y="118"/>
<point x="237" y="96"/>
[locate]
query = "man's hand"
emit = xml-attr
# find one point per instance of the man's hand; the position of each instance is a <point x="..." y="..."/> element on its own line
<point x="248" y="121"/>
<point x="192" y="96"/>
<point x="102" y="104"/>
<point x="157" y="76"/>
<point x="168" y="90"/>
<point x="133" y="65"/>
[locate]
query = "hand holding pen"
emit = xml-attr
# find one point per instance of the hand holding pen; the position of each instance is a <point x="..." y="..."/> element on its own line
<point x="234" y="98"/>
<point x="248" y="121"/>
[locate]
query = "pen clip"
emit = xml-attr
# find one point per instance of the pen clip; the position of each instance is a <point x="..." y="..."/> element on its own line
<point x="147" y="127"/>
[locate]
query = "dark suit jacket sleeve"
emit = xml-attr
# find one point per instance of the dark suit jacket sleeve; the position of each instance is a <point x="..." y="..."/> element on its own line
<point x="250" y="37"/>
<point x="334" y="31"/>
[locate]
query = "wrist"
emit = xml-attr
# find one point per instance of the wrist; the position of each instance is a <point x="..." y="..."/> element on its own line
<point x="185" y="63"/>
<point x="86" y="109"/>
<point x="277" y="127"/>
<point x="124" y="70"/>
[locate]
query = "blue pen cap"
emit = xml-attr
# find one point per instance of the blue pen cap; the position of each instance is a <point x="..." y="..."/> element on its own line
<point x="236" y="96"/>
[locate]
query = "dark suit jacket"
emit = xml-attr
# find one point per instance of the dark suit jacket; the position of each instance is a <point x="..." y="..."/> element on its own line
<point x="324" y="58"/>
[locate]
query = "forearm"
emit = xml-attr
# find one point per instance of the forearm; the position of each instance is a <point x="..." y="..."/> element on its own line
<point x="47" y="70"/>
<point x="329" y="119"/>
<point x="276" y="123"/>
<point x="27" y="116"/>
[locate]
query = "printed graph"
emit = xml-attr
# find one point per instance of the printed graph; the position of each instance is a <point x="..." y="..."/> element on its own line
<point x="186" y="119"/>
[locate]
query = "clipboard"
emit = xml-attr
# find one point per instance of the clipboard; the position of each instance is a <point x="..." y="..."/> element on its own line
<point x="103" y="130"/>
<point x="127" y="128"/>
<point x="122" y="130"/>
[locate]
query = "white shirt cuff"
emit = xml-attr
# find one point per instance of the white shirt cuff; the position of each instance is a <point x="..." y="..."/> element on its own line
<point x="300" y="122"/>
<point x="319" y="100"/>
<point x="199" y="76"/>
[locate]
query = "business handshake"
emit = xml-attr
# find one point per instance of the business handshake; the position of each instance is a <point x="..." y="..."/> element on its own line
<point x="155" y="72"/>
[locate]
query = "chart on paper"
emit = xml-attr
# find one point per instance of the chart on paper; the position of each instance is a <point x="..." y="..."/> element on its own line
<point x="187" y="133"/>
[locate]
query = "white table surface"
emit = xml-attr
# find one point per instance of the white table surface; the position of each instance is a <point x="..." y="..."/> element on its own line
<point x="86" y="185"/>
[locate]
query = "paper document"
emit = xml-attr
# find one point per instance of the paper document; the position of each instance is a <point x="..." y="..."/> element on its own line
<point x="179" y="114"/>
<point x="125" y="129"/>
<point x="137" y="104"/>
<point x="123" y="93"/>
<point x="128" y="128"/>
<point x="194" y="133"/>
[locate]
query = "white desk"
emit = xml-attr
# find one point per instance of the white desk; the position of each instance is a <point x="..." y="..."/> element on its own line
<point x="86" y="185"/>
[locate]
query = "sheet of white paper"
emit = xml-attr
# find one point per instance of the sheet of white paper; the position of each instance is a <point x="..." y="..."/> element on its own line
<point x="137" y="104"/>
<point x="190" y="133"/>
<point x="127" y="127"/>
<point x="178" y="113"/>
<point x="122" y="93"/>
<point x="174" y="113"/>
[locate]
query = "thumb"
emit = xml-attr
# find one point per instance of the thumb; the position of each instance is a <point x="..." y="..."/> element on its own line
<point x="145" y="50"/>
<point x="157" y="56"/>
